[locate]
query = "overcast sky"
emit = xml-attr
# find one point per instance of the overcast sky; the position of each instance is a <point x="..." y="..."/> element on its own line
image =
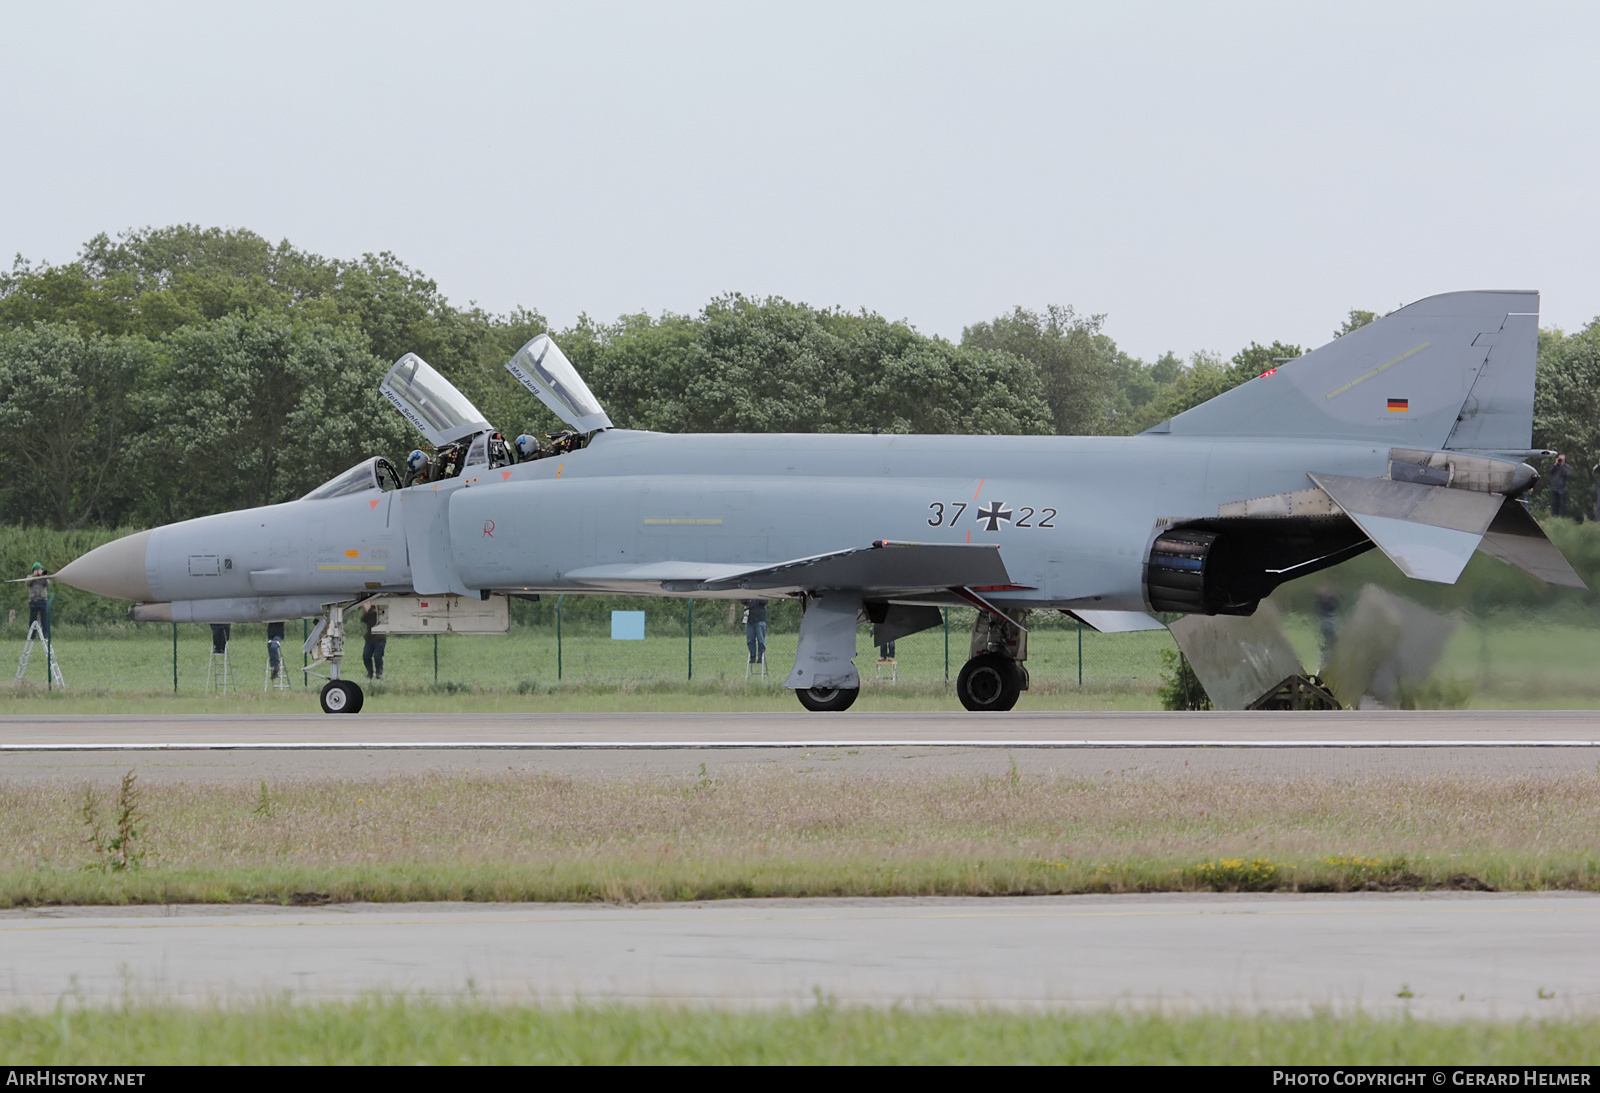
<point x="1204" y="174"/>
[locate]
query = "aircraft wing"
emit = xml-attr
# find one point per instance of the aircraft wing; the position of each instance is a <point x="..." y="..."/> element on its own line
<point x="884" y="568"/>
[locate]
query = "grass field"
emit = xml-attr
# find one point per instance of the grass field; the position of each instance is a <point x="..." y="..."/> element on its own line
<point x="515" y="836"/>
<point x="402" y="1031"/>
<point x="1512" y="663"/>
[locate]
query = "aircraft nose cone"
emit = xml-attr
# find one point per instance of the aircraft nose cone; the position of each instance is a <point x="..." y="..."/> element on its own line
<point x="115" y="569"/>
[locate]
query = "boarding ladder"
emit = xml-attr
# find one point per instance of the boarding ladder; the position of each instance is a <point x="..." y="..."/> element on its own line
<point x="36" y="630"/>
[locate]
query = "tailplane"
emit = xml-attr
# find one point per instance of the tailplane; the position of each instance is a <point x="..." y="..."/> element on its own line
<point x="1449" y="372"/>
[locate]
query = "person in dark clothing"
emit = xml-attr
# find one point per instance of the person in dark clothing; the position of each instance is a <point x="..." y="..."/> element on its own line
<point x="220" y="633"/>
<point x="39" y="599"/>
<point x="755" y="630"/>
<point x="1558" y="486"/>
<point x="1327" y="616"/>
<point x="274" y="648"/>
<point x="372" y="651"/>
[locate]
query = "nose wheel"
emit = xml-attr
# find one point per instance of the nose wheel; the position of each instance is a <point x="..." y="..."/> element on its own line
<point x="341" y="696"/>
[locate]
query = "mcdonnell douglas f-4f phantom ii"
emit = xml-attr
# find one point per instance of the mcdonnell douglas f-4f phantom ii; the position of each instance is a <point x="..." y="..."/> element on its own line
<point x="1408" y="434"/>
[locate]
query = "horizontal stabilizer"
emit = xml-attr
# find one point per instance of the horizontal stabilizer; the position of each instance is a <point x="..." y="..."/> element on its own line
<point x="882" y="568"/>
<point x="1429" y="532"/>
<point x="1117" y="622"/>
<point x="1516" y="538"/>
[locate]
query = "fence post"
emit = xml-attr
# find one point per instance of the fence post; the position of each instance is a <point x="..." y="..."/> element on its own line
<point x="691" y="637"/>
<point x="436" y="658"/>
<point x="558" y="637"/>
<point x="174" y="658"/>
<point x="305" y="657"/>
<point x="1080" y="653"/>
<point x="946" y="646"/>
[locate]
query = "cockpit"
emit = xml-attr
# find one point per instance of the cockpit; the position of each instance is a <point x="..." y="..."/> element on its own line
<point x="376" y="473"/>
<point x="459" y="438"/>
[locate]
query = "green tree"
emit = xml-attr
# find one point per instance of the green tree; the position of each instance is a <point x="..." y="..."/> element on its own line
<point x="258" y="411"/>
<point x="67" y="425"/>
<point x="1209" y="376"/>
<point x="1566" y="401"/>
<point x="1073" y="360"/>
<point x="770" y="365"/>
<point x="1355" y="321"/>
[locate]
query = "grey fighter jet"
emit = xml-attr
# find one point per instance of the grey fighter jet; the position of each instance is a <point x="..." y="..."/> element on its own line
<point x="1409" y="434"/>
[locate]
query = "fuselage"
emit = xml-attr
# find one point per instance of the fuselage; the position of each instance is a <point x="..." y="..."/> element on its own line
<point x="1074" y="517"/>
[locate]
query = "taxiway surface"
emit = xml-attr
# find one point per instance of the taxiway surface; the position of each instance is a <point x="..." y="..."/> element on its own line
<point x="1446" y="955"/>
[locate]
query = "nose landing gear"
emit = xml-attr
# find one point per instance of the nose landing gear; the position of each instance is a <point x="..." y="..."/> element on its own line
<point x="341" y="696"/>
<point x="326" y="643"/>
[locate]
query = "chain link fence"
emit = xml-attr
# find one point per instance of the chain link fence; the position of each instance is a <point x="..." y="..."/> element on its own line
<point x="558" y="642"/>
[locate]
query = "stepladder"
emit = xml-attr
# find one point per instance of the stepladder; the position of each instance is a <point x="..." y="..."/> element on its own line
<point x="36" y="633"/>
<point x="219" y="674"/>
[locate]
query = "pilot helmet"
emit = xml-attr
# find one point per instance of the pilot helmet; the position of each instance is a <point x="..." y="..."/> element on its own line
<point x="526" y="446"/>
<point x="417" y="460"/>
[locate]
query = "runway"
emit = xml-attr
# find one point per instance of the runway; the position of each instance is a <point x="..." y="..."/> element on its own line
<point x="1357" y="728"/>
<point x="1441" y="956"/>
<point x="1269" y="745"/>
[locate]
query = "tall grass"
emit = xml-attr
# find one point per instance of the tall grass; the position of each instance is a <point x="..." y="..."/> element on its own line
<point x="391" y="1031"/>
<point x="523" y="836"/>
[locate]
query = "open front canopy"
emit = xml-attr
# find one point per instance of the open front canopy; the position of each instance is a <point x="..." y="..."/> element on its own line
<point x="371" y="474"/>
<point x="430" y="402"/>
<point x="542" y="368"/>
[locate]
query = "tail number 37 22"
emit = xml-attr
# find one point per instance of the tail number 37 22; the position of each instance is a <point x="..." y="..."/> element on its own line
<point x="991" y="516"/>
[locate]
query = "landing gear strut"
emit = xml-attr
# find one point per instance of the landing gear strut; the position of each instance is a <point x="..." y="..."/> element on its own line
<point x="994" y="678"/>
<point x="326" y="643"/>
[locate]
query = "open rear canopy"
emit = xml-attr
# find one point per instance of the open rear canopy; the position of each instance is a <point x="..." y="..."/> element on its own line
<point x="542" y="368"/>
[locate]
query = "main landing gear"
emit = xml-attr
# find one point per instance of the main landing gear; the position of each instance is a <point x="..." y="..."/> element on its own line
<point x="994" y="678"/>
<point x="327" y="644"/>
<point x="827" y="699"/>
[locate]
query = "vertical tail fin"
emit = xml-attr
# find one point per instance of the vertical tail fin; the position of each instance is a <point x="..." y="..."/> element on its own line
<point x="1453" y="371"/>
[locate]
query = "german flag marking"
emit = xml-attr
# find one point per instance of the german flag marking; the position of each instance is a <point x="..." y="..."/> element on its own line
<point x="1399" y="405"/>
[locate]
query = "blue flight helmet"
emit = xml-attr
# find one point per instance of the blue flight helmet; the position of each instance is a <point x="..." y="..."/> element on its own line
<point x="527" y="446"/>
<point x="417" y="460"/>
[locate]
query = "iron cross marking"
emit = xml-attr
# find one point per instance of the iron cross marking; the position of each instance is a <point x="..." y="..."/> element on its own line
<point x="995" y="513"/>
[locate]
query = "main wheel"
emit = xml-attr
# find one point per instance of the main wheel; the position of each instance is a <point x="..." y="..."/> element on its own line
<point x="827" y="699"/>
<point x="991" y="681"/>
<point x="341" y="696"/>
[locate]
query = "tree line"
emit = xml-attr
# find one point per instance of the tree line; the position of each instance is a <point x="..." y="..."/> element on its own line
<point x="177" y="371"/>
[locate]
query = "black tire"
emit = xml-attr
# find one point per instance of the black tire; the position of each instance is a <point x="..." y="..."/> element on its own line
<point x="991" y="682"/>
<point x="827" y="699"/>
<point x="341" y="696"/>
